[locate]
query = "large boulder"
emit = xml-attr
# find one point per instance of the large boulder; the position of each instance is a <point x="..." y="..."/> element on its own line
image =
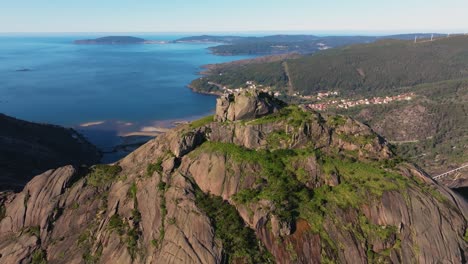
<point x="246" y="104"/>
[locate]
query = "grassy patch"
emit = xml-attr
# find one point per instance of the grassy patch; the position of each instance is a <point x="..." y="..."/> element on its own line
<point x="103" y="174"/>
<point x="201" y="122"/>
<point x="39" y="257"/>
<point x="277" y="139"/>
<point x="132" y="191"/>
<point x="129" y="235"/>
<point x="293" y="115"/>
<point x="154" y="167"/>
<point x="336" y="120"/>
<point x="34" y="231"/>
<point x="89" y="258"/>
<point x="117" y="224"/>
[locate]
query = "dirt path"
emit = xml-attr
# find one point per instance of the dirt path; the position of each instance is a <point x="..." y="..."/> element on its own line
<point x="286" y="71"/>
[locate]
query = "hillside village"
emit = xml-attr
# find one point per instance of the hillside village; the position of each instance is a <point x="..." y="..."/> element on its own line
<point x="326" y="99"/>
<point x="344" y="103"/>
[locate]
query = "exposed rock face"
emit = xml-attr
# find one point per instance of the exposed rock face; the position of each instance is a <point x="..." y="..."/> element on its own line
<point x="247" y="104"/>
<point x="361" y="208"/>
<point x="28" y="149"/>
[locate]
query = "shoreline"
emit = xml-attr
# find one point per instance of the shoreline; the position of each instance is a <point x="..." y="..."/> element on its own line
<point x="195" y="90"/>
<point x="116" y="139"/>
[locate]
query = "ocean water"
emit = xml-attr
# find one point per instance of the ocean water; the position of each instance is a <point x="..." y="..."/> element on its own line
<point x="49" y="79"/>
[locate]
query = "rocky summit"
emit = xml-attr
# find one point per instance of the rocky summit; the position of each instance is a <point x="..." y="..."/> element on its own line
<point x="261" y="182"/>
<point x="246" y="104"/>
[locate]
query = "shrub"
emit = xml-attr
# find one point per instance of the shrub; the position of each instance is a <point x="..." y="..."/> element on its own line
<point x="154" y="167"/>
<point x="39" y="257"/>
<point x="103" y="174"/>
<point x="239" y="242"/>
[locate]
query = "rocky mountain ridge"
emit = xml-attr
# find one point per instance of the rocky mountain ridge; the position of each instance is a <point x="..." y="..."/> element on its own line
<point x="283" y="186"/>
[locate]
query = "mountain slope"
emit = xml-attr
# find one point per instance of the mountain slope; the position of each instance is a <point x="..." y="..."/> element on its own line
<point x="283" y="44"/>
<point x="364" y="69"/>
<point x="432" y="128"/>
<point x="310" y="188"/>
<point x="27" y="149"/>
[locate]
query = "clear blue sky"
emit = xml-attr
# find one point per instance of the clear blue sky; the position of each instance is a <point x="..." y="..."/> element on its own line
<point x="233" y="16"/>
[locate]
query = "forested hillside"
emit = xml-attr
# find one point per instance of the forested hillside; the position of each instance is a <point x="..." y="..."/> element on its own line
<point x="430" y="130"/>
<point x="364" y="69"/>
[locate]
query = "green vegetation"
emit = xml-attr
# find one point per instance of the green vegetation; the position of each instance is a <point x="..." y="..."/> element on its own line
<point x="34" y="231"/>
<point x="239" y="242"/>
<point x="154" y="242"/>
<point x="465" y="237"/>
<point x="86" y="242"/>
<point x="162" y="188"/>
<point x="432" y="128"/>
<point x="102" y="175"/>
<point x="277" y="139"/>
<point x="276" y="44"/>
<point x="438" y="77"/>
<point x="154" y="167"/>
<point x="201" y="122"/>
<point x="284" y="185"/>
<point x="132" y="241"/>
<point x="128" y="234"/>
<point x="293" y="115"/>
<point x="365" y="69"/>
<point x="133" y="232"/>
<point x="132" y="191"/>
<point x="271" y="74"/>
<point x="90" y="258"/>
<point x="117" y="224"/>
<point x="39" y="257"/>
<point x="359" y="181"/>
<point x="380" y="232"/>
<point x="336" y="120"/>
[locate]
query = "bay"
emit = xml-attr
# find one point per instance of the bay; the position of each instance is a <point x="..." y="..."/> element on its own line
<point x="49" y="79"/>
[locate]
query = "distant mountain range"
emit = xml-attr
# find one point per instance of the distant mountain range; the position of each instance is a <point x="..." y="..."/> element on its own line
<point x="267" y="45"/>
<point x="281" y="44"/>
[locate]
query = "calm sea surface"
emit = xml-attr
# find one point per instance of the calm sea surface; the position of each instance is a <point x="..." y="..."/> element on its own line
<point x="52" y="80"/>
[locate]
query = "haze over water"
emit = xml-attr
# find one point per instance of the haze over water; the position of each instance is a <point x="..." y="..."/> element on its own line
<point x="52" y="80"/>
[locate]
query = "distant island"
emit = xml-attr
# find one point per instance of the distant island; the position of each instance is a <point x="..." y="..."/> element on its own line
<point x="117" y="40"/>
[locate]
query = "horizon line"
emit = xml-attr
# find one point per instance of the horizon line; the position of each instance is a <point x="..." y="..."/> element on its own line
<point x="305" y="32"/>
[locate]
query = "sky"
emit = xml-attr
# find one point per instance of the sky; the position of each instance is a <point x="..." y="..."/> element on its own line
<point x="233" y="16"/>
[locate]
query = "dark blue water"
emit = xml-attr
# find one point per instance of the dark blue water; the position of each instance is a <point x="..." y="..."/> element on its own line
<point x="49" y="79"/>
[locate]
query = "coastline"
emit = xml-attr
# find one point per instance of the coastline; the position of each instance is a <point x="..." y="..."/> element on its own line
<point x="117" y="139"/>
<point x="195" y="90"/>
